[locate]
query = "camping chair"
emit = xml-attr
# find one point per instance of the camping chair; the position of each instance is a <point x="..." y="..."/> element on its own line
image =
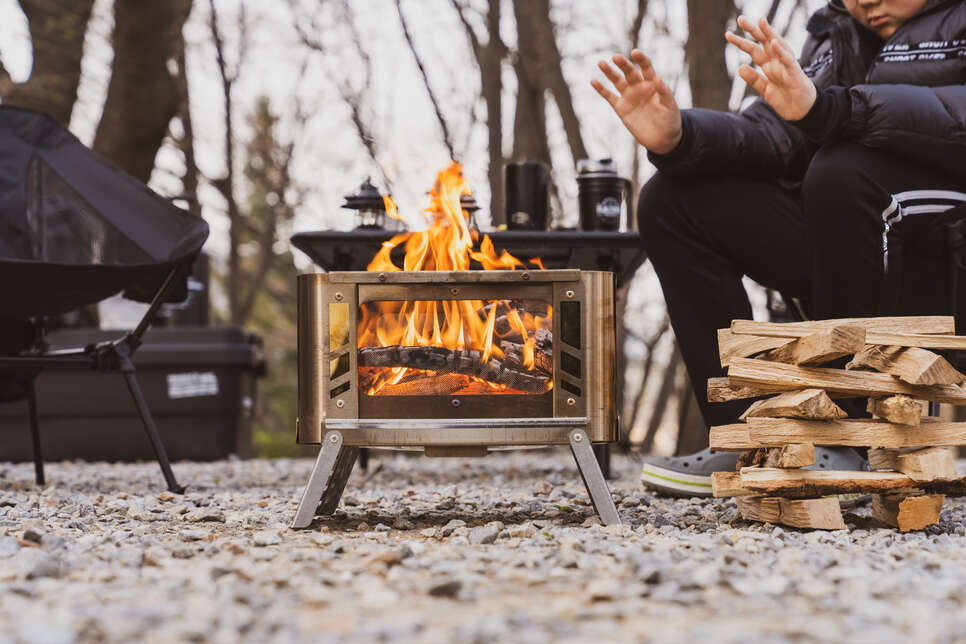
<point x="75" y="230"/>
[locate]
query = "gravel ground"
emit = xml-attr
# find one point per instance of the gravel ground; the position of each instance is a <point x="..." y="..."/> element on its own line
<point x="447" y="550"/>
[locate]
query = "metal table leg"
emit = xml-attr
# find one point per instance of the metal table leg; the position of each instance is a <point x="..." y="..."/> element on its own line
<point x="593" y="478"/>
<point x="327" y="481"/>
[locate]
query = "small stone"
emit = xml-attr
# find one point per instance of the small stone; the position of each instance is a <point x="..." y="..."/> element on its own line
<point x="450" y="588"/>
<point x="266" y="538"/>
<point x="183" y="552"/>
<point x="153" y="557"/>
<point x="362" y="527"/>
<point x="33" y="535"/>
<point x="46" y="565"/>
<point x="53" y="542"/>
<point x="448" y="529"/>
<point x="630" y="502"/>
<point x="603" y="590"/>
<point x="382" y="527"/>
<point x="591" y="521"/>
<point x="428" y="532"/>
<point x="193" y="535"/>
<point x="350" y="501"/>
<point x="403" y="524"/>
<point x="485" y="534"/>
<point x="542" y="488"/>
<point x="8" y="547"/>
<point x="205" y="514"/>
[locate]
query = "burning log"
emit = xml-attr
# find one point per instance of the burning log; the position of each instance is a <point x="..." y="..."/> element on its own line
<point x="513" y="356"/>
<point x="543" y="339"/>
<point x="466" y="362"/>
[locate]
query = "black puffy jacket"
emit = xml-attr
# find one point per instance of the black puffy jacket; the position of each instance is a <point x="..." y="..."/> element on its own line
<point x="906" y="95"/>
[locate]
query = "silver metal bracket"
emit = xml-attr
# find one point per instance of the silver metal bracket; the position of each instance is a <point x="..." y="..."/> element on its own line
<point x="593" y="478"/>
<point x="327" y="482"/>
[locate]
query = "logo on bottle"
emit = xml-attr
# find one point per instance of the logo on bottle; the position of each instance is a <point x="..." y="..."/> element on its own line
<point x="609" y="208"/>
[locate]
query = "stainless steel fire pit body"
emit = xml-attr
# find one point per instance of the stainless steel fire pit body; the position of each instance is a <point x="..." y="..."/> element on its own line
<point x="334" y="410"/>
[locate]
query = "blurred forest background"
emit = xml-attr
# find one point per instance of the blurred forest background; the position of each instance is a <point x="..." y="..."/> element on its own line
<point x="264" y="113"/>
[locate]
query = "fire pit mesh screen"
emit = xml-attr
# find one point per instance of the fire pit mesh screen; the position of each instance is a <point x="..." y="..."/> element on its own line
<point x="456" y="346"/>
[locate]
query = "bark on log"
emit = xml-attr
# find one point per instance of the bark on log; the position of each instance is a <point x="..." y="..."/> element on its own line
<point x="513" y="358"/>
<point x="466" y="362"/>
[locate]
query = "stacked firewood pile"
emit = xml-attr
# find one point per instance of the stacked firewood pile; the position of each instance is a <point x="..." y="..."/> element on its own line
<point x="891" y="362"/>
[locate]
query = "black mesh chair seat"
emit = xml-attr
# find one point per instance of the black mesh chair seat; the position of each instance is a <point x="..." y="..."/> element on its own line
<point x="75" y="230"/>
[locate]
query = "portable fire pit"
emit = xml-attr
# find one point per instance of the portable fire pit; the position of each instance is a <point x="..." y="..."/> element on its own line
<point x="454" y="363"/>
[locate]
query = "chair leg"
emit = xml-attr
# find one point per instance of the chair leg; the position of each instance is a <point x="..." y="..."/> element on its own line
<point x="152" y="430"/>
<point x="35" y="434"/>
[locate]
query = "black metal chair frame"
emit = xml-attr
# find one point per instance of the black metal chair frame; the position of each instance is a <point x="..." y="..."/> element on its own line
<point x="112" y="355"/>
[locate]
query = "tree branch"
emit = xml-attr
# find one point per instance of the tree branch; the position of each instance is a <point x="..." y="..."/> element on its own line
<point x="447" y="139"/>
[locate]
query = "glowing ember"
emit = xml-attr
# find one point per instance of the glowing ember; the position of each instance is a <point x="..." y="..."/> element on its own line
<point x="474" y="336"/>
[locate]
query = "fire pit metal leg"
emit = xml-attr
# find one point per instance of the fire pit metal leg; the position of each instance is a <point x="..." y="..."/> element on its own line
<point x="328" y="479"/>
<point x="593" y="478"/>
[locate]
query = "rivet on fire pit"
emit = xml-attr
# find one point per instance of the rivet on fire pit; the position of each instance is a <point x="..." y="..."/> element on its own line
<point x="340" y="404"/>
<point x="570" y="294"/>
<point x="338" y="297"/>
<point x="454" y="291"/>
<point x="571" y="401"/>
<point x="525" y="276"/>
<point x="333" y="438"/>
<point x="381" y="277"/>
<point x="455" y="402"/>
<point x="578" y="437"/>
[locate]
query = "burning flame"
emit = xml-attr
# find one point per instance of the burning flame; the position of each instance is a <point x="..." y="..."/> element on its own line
<point x="448" y="245"/>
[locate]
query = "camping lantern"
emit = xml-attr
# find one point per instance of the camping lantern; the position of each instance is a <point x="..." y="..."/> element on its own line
<point x="369" y="206"/>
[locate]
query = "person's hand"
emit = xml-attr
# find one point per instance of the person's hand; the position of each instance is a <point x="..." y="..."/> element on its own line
<point x="780" y="81"/>
<point x="644" y="102"/>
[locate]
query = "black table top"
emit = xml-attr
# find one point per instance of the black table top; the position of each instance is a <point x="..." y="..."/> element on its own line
<point x="618" y="252"/>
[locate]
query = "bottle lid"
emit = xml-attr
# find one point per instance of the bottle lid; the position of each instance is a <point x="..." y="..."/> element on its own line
<point x="603" y="167"/>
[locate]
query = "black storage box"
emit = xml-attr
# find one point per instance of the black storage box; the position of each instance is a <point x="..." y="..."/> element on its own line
<point x="199" y="383"/>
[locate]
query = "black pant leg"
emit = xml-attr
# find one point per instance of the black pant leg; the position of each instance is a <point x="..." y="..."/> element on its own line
<point x="858" y="199"/>
<point x="702" y="234"/>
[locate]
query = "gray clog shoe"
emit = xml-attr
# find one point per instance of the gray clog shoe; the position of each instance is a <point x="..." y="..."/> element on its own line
<point x="691" y="475"/>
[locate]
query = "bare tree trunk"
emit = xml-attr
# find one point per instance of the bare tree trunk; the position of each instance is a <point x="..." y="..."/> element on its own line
<point x="651" y="345"/>
<point x="142" y="97"/>
<point x="692" y="434"/>
<point x="186" y="143"/>
<point x="57" y="35"/>
<point x="226" y="184"/>
<point x="705" y="52"/>
<point x="542" y="61"/>
<point x="633" y="37"/>
<point x="529" y="119"/>
<point x="489" y="58"/>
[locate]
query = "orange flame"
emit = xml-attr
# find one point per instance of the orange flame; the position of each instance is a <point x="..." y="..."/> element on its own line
<point x="455" y="324"/>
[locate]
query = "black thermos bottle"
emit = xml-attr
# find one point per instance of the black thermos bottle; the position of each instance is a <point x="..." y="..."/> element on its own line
<point x="601" y="194"/>
<point x="526" y="184"/>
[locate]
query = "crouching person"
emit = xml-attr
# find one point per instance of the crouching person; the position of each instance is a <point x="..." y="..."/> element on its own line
<point x="860" y="143"/>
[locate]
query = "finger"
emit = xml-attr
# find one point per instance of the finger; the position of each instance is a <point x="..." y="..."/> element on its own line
<point x="647" y="69"/>
<point x="750" y="28"/>
<point x="757" y="81"/>
<point x="770" y="34"/>
<point x="758" y="55"/>
<point x="608" y="95"/>
<point x="617" y="79"/>
<point x="783" y="55"/>
<point x="631" y="72"/>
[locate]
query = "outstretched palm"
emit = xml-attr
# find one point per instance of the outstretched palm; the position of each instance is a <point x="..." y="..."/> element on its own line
<point x="644" y="102"/>
<point x="780" y="79"/>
